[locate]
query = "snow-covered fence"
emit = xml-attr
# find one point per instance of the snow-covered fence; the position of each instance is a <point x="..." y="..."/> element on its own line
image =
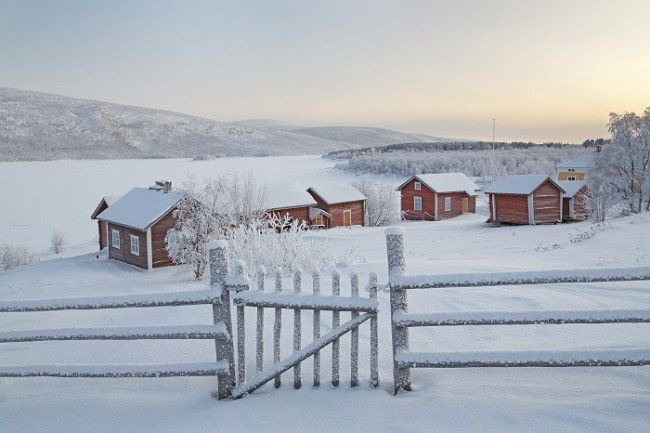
<point x="401" y="320"/>
<point x="219" y="331"/>
<point x="360" y="309"/>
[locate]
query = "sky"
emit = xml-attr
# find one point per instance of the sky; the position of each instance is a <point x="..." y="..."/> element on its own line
<point x="546" y="70"/>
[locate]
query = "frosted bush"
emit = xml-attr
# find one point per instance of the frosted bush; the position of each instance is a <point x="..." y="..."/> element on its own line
<point x="383" y="204"/>
<point x="57" y="243"/>
<point x="13" y="255"/>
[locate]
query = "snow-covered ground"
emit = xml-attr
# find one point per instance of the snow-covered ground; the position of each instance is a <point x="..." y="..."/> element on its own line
<point x="61" y="195"/>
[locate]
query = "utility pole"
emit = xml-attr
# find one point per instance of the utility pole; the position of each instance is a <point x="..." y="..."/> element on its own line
<point x="493" y="131"/>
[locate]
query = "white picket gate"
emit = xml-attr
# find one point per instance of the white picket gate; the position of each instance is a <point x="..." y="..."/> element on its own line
<point x="402" y="320"/>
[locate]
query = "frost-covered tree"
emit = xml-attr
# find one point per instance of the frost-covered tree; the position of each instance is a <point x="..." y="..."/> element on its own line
<point x="628" y="157"/>
<point x="14" y="255"/>
<point x="382" y="207"/>
<point x="210" y="210"/>
<point x="601" y="192"/>
<point x="57" y="243"/>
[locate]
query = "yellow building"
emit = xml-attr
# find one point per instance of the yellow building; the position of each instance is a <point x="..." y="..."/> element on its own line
<point x="574" y="169"/>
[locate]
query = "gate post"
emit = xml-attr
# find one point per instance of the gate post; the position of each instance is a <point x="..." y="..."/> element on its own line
<point x="398" y="302"/>
<point x="218" y="254"/>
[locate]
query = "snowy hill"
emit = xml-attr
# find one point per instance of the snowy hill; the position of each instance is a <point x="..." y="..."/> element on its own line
<point x="39" y="126"/>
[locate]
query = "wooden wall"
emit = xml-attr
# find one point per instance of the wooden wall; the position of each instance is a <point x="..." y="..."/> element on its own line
<point x="456" y="204"/>
<point x="158" y="245"/>
<point x="564" y="175"/>
<point x="300" y="213"/>
<point x="428" y="210"/>
<point x="510" y="208"/>
<point x="546" y="203"/>
<point x="124" y="252"/>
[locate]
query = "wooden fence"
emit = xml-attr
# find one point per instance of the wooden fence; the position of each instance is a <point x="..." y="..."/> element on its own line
<point x="360" y="309"/>
<point x="402" y="320"/>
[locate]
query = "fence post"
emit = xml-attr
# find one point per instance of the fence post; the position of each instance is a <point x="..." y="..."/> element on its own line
<point x="336" y="321"/>
<point x="398" y="302"/>
<point x="374" y="340"/>
<point x="354" y="335"/>
<point x="259" y="361"/>
<point x="218" y="254"/>
<point x="277" y="327"/>
<point x="316" y="327"/>
<point x="297" y="331"/>
<point x="241" y="332"/>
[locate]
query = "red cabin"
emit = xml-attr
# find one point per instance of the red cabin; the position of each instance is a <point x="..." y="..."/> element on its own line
<point x="574" y="206"/>
<point x="438" y="196"/>
<point x="526" y="199"/>
<point x="340" y="205"/>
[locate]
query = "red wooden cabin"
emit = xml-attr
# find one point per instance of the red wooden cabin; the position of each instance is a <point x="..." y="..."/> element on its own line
<point x="437" y="196"/>
<point x="574" y="206"/>
<point x="525" y="199"/>
<point x="136" y="225"/>
<point x="341" y="205"/>
<point x="104" y="203"/>
<point x="285" y="201"/>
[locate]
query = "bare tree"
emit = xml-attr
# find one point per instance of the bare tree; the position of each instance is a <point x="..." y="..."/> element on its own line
<point x="57" y="243"/>
<point x="382" y="207"/>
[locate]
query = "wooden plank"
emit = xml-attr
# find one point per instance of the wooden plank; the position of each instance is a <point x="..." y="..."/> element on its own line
<point x="197" y="297"/>
<point x="316" y="327"/>
<point x="354" y="335"/>
<point x="179" y="332"/>
<point x="259" y="359"/>
<point x="374" y="339"/>
<point x="336" y="320"/>
<point x="277" y="326"/>
<point x="241" y="330"/>
<point x="281" y="366"/>
<point x="304" y="302"/>
<point x="119" y="370"/>
<point x="297" y="331"/>
<point x="481" y="318"/>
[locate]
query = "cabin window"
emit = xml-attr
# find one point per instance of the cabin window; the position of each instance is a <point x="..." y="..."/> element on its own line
<point x="447" y="204"/>
<point x="571" y="170"/>
<point x="571" y="178"/>
<point x="417" y="203"/>
<point x="319" y="220"/>
<point x="115" y="238"/>
<point x="417" y="186"/>
<point x="135" y="245"/>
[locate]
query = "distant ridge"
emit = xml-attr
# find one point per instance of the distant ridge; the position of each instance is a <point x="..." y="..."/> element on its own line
<point x="41" y="126"/>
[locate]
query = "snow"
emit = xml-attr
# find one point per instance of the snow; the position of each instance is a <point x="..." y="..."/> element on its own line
<point x="449" y="182"/>
<point x="519" y="184"/>
<point x="532" y="400"/>
<point x="141" y="207"/>
<point x="217" y="243"/>
<point x="583" y="161"/>
<point x="571" y="187"/>
<point x="337" y="193"/>
<point x="280" y="196"/>
<point x="116" y="370"/>
<point x="293" y="300"/>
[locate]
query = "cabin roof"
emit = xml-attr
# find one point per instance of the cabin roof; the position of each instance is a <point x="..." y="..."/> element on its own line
<point x="583" y="161"/>
<point x="283" y="196"/>
<point x="339" y="193"/>
<point x="446" y="182"/>
<point x="141" y="207"/>
<point x="571" y="187"/>
<point x="519" y="184"/>
<point x="109" y="200"/>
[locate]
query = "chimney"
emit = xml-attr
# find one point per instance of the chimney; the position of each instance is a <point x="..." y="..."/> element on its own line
<point x="164" y="185"/>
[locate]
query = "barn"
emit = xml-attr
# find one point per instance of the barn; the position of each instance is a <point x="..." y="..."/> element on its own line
<point x="295" y="203"/>
<point x="437" y="196"/>
<point x="339" y="205"/>
<point x="137" y="223"/>
<point x="525" y="199"/>
<point x="574" y="206"/>
<point x="104" y="203"/>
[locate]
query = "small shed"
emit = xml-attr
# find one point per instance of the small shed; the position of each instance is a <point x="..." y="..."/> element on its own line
<point x="437" y="196"/>
<point x="574" y="206"/>
<point x="525" y="199"/>
<point x="137" y="224"/>
<point x="340" y="205"/>
<point x="104" y="203"/>
<point x="289" y="201"/>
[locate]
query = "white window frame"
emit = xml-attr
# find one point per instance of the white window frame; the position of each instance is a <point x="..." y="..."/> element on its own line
<point x="572" y="170"/>
<point x="417" y="203"/>
<point x="135" y="238"/>
<point x="417" y="186"/>
<point x="447" y="204"/>
<point x="115" y="238"/>
<point x="571" y="178"/>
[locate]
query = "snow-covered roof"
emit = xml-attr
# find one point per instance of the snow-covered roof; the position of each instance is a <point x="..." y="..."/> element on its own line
<point x="447" y="182"/>
<point x="141" y="207"/>
<point x="519" y="184"/>
<point x="571" y="187"/>
<point x="583" y="161"/>
<point x="340" y="193"/>
<point x="282" y="196"/>
<point x="109" y="200"/>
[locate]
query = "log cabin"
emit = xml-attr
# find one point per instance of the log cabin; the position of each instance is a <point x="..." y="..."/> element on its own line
<point x="137" y="224"/>
<point x="525" y="199"/>
<point x="574" y="206"/>
<point x="339" y="205"/>
<point x="296" y="204"/>
<point x="437" y="196"/>
<point x="104" y="203"/>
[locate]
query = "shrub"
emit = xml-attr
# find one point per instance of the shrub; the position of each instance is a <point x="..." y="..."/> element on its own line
<point x="13" y="255"/>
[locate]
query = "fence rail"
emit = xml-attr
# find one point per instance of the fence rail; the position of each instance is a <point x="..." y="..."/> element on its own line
<point x="401" y="320"/>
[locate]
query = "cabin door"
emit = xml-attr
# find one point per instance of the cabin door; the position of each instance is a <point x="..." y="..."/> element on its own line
<point x="347" y="217"/>
<point x="465" y="205"/>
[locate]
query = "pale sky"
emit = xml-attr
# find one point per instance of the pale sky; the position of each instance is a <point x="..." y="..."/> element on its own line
<point x="547" y="70"/>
